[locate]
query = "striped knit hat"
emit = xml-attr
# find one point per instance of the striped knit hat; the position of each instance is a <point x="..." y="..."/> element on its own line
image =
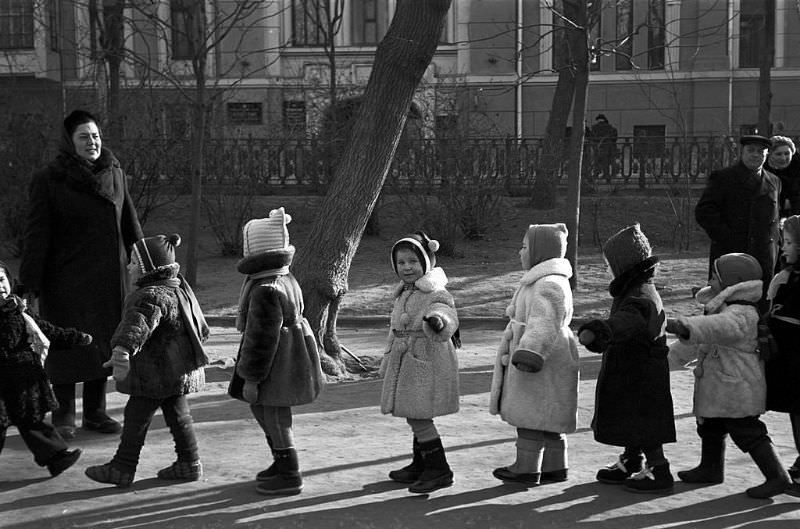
<point x="156" y="252"/>
<point x="265" y="243"/>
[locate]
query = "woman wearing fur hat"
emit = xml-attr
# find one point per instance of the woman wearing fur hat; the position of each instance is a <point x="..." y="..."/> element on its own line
<point x="633" y="403"/>
<point x="80" y="229"/>
<point x="420" y="367"/>
<point x="278" y="363"/>
<point x="535" y="381"/>
<point x="730" y="389"/>
<point x="157" y="359"/>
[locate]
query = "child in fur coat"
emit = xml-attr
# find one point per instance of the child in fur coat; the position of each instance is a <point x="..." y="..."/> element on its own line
<point x="730" y="388"/>
<point x="633" y="403"/>
<point x="420" y="367"/>
<point x="25" y="392"/>
<point x="157" y="359"/>
<point x="538" y="392"/>
<point x="278" y="364"/>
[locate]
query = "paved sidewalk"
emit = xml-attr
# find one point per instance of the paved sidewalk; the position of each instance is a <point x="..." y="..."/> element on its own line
<point x="346" y="449"/>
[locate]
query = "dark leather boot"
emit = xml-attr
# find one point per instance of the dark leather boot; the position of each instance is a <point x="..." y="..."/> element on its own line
<point x="437" y="473"/>
<point x="287" y="479"/>
<point x="712" y="463"/>
<point x="777" y="478"/>
<point x="411" y="472"/>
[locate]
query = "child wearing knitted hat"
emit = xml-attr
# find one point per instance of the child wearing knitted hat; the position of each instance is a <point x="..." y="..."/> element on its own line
<point x="783" y="369"/>
<point x="278" y="364"/>
<point x="157" y="359"/>
<point x="633" y="403"/>
<point x="730" y="387"/>
<point x="25" y="392"/>
<point x="420" y="367"/>
<point x="535" y="380"/>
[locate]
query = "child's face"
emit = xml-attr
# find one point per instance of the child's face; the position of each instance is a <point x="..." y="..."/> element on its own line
<point x="5" y="284"/>
<point x="409" y="269"/>
<point x="134" y="270"/>
<point x="714" y="283"/>
<point x="524" y="254"/>
<point x="609" y="271"/>
<point x="789" y="248"/>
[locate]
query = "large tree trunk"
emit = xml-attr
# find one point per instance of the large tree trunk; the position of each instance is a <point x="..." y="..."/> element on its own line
<point x="323" y="264"/>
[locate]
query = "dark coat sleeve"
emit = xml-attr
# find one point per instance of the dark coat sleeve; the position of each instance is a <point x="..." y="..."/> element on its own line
<point x="625" y="324"/>
<point x="36" y="245"/>
<point x="129" y="221"/>
<point x="141" y="317"/>
<point x="261" y="335"/>
<point x="708" y="211"/>
<point x="60" y="336"/>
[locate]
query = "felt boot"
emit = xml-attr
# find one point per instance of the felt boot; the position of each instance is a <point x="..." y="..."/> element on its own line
<point x="62" y="461"/>
<point x="656" y="479"/>
<point x="554" y="460"/>
<point x="527" y="469"/>
<point x="411" y="472"/>
<point x="712" y="463"/>
<point x="182" y="471"/>
<point x="778" y="479"/>
<point x="437" y="473"/>
<point x="287" y="479"/>
<point x="616" y="473"/>
<point x="110" y="474"/>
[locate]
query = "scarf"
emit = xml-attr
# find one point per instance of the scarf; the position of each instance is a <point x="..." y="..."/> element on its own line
<point x="192" y="316"/>
<point x="244" y="293"/>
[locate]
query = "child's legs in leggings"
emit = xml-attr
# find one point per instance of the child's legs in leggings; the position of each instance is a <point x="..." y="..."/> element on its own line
<point x="424" y="429"/>
<point x="178" y="418"/>
<point x="747" y="432"/>
<point x="276" y="421"/>
<point x="654" y="455"/>
<point x="139" y="412"/>
<point x="43" y="440"/>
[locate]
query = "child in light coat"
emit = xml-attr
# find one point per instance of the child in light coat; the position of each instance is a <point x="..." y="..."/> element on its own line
<point x="420" y="367"/>
<point x="535" y="380"/>
<point x="157" y="359"/>
<point x="730" y="388"/>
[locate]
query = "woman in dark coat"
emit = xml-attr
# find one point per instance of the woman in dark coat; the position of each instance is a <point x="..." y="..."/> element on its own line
<point x="81" y="226"/>
<point x="784" y="163"/>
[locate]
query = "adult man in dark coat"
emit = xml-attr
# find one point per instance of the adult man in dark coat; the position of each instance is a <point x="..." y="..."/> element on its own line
<point x="739" y="208"/>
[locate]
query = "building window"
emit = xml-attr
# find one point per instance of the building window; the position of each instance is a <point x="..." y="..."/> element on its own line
<point x="308" y="17"/>
<point x="624" y="43"/>
<point x="16" y="24"/>
<point x="245" y="113"/>
<point x="294" y="117"/>
<point x="185" y="23"/>
<point x="370" y="20"/>
<point x="756" y="31"/>
<point x="656" y="35"/>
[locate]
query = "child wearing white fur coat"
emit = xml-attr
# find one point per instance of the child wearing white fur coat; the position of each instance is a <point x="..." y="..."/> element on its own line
<point x="535" y="381"/>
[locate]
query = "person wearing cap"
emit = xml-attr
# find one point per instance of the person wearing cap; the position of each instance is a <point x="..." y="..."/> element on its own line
<point x="80" y="229"/>
<point x="604" y="139"/>
<point x="730" y="389"/>
<point x="739" y="209"/>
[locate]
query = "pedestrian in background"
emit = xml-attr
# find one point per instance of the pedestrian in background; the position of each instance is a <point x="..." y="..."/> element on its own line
<point x="730" y="389"/>
<point x="80" y="229"/>
<point x="783" y="163"/>
<point x="278" y="363"/>
<point x="633" y="403"/>
<point x="157" y="359"/>
<point x="420" y="367"/>
<point x="603" y="137"/>
<point x="535" y="379"/>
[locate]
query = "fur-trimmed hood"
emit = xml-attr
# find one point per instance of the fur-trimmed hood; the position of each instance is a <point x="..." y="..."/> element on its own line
<point x="268" y="260"/>
<point x="556" y="266"/>
<point x="747" y="291"/>
<point x="436" y="279"/>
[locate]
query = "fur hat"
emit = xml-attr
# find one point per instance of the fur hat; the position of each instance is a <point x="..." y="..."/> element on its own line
<point x="733" y="268"/>
<point x="156" y="252"/>
<point x="626" y="248"/>
<point x="265" y="243"/>
<point x="78" y="117"/>
<point x="420" y="244"/>
<point x="546" y="241"/>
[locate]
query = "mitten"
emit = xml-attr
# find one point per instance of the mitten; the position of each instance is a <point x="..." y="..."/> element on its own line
<point x="678" y="328"/>
<point x="529" y="361"/>
<point x="120" y="362"/>
<point x="436" y="323"/>
<point x="84" y="339"/>
<point x="250" y="392"/>
<point x="586" y="337"/>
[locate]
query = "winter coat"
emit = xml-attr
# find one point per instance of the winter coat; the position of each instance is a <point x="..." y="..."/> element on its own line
<point x="420" y="367"/>
<point x="278" y="349"/>
<point x="81" y="226"/>
<point x="25" y="393"/>
<point x="790" y="186"/>
<point x="729" y="376"/>
<point x="163" y="362"/>
<point x="740" y="213"/>
<point x="539" y="317"/>
<point x="633" y="403"/>
<point x="783" y="369"/>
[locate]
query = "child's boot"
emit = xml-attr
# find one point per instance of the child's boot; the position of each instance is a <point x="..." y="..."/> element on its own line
<point x="287" y="479"/>
<point x="712" y="462"/>
<point x="411" y="472"/>
<point x="554" y="461"/>
<point x="777" y="478"/>
<point x="110" y="474"/>
<point x="182" y="471"/>
<point x="527" y="469"/>
<point x="437" y="473"/>
<point x="270" y="470"/>
<point x="616" y="473"/>
<point x="656" y="479"/>
<point x="62" y="461"/>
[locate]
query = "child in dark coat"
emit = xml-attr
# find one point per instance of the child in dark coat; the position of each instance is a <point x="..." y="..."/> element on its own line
<point x="278" y="363"/>
<point x="25" y="393"/>
<point x="633" y="403"/>
<point x="157" y="359"/>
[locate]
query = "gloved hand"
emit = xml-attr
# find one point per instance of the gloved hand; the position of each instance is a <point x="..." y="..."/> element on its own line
<point x="84" y="339"/>
<point x="120" y="362"/>
<point x="436" y="323"/>
<point x="678" y="328"/>
<point x="250" y="392"/>
<point x="586" y="337"/>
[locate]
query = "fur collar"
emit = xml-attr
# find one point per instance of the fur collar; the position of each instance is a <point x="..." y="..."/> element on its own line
<point x="638" y="274"/>
<point x="268" y="260"/>
<point x="749" y="291"/>
<point x="556" y="266"/>
<point x="161" y="273"/>
<point x="433" y="280"/>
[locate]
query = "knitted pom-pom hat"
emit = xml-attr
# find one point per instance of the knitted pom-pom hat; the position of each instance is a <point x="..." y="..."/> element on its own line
<point x="733" y="268"/>
<point x="265" y="244"/>
<point x="420" y="244"/>
<point x="626" y="248"/>
<point x="157" y="252"/>
<point x="546" y="241"/>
